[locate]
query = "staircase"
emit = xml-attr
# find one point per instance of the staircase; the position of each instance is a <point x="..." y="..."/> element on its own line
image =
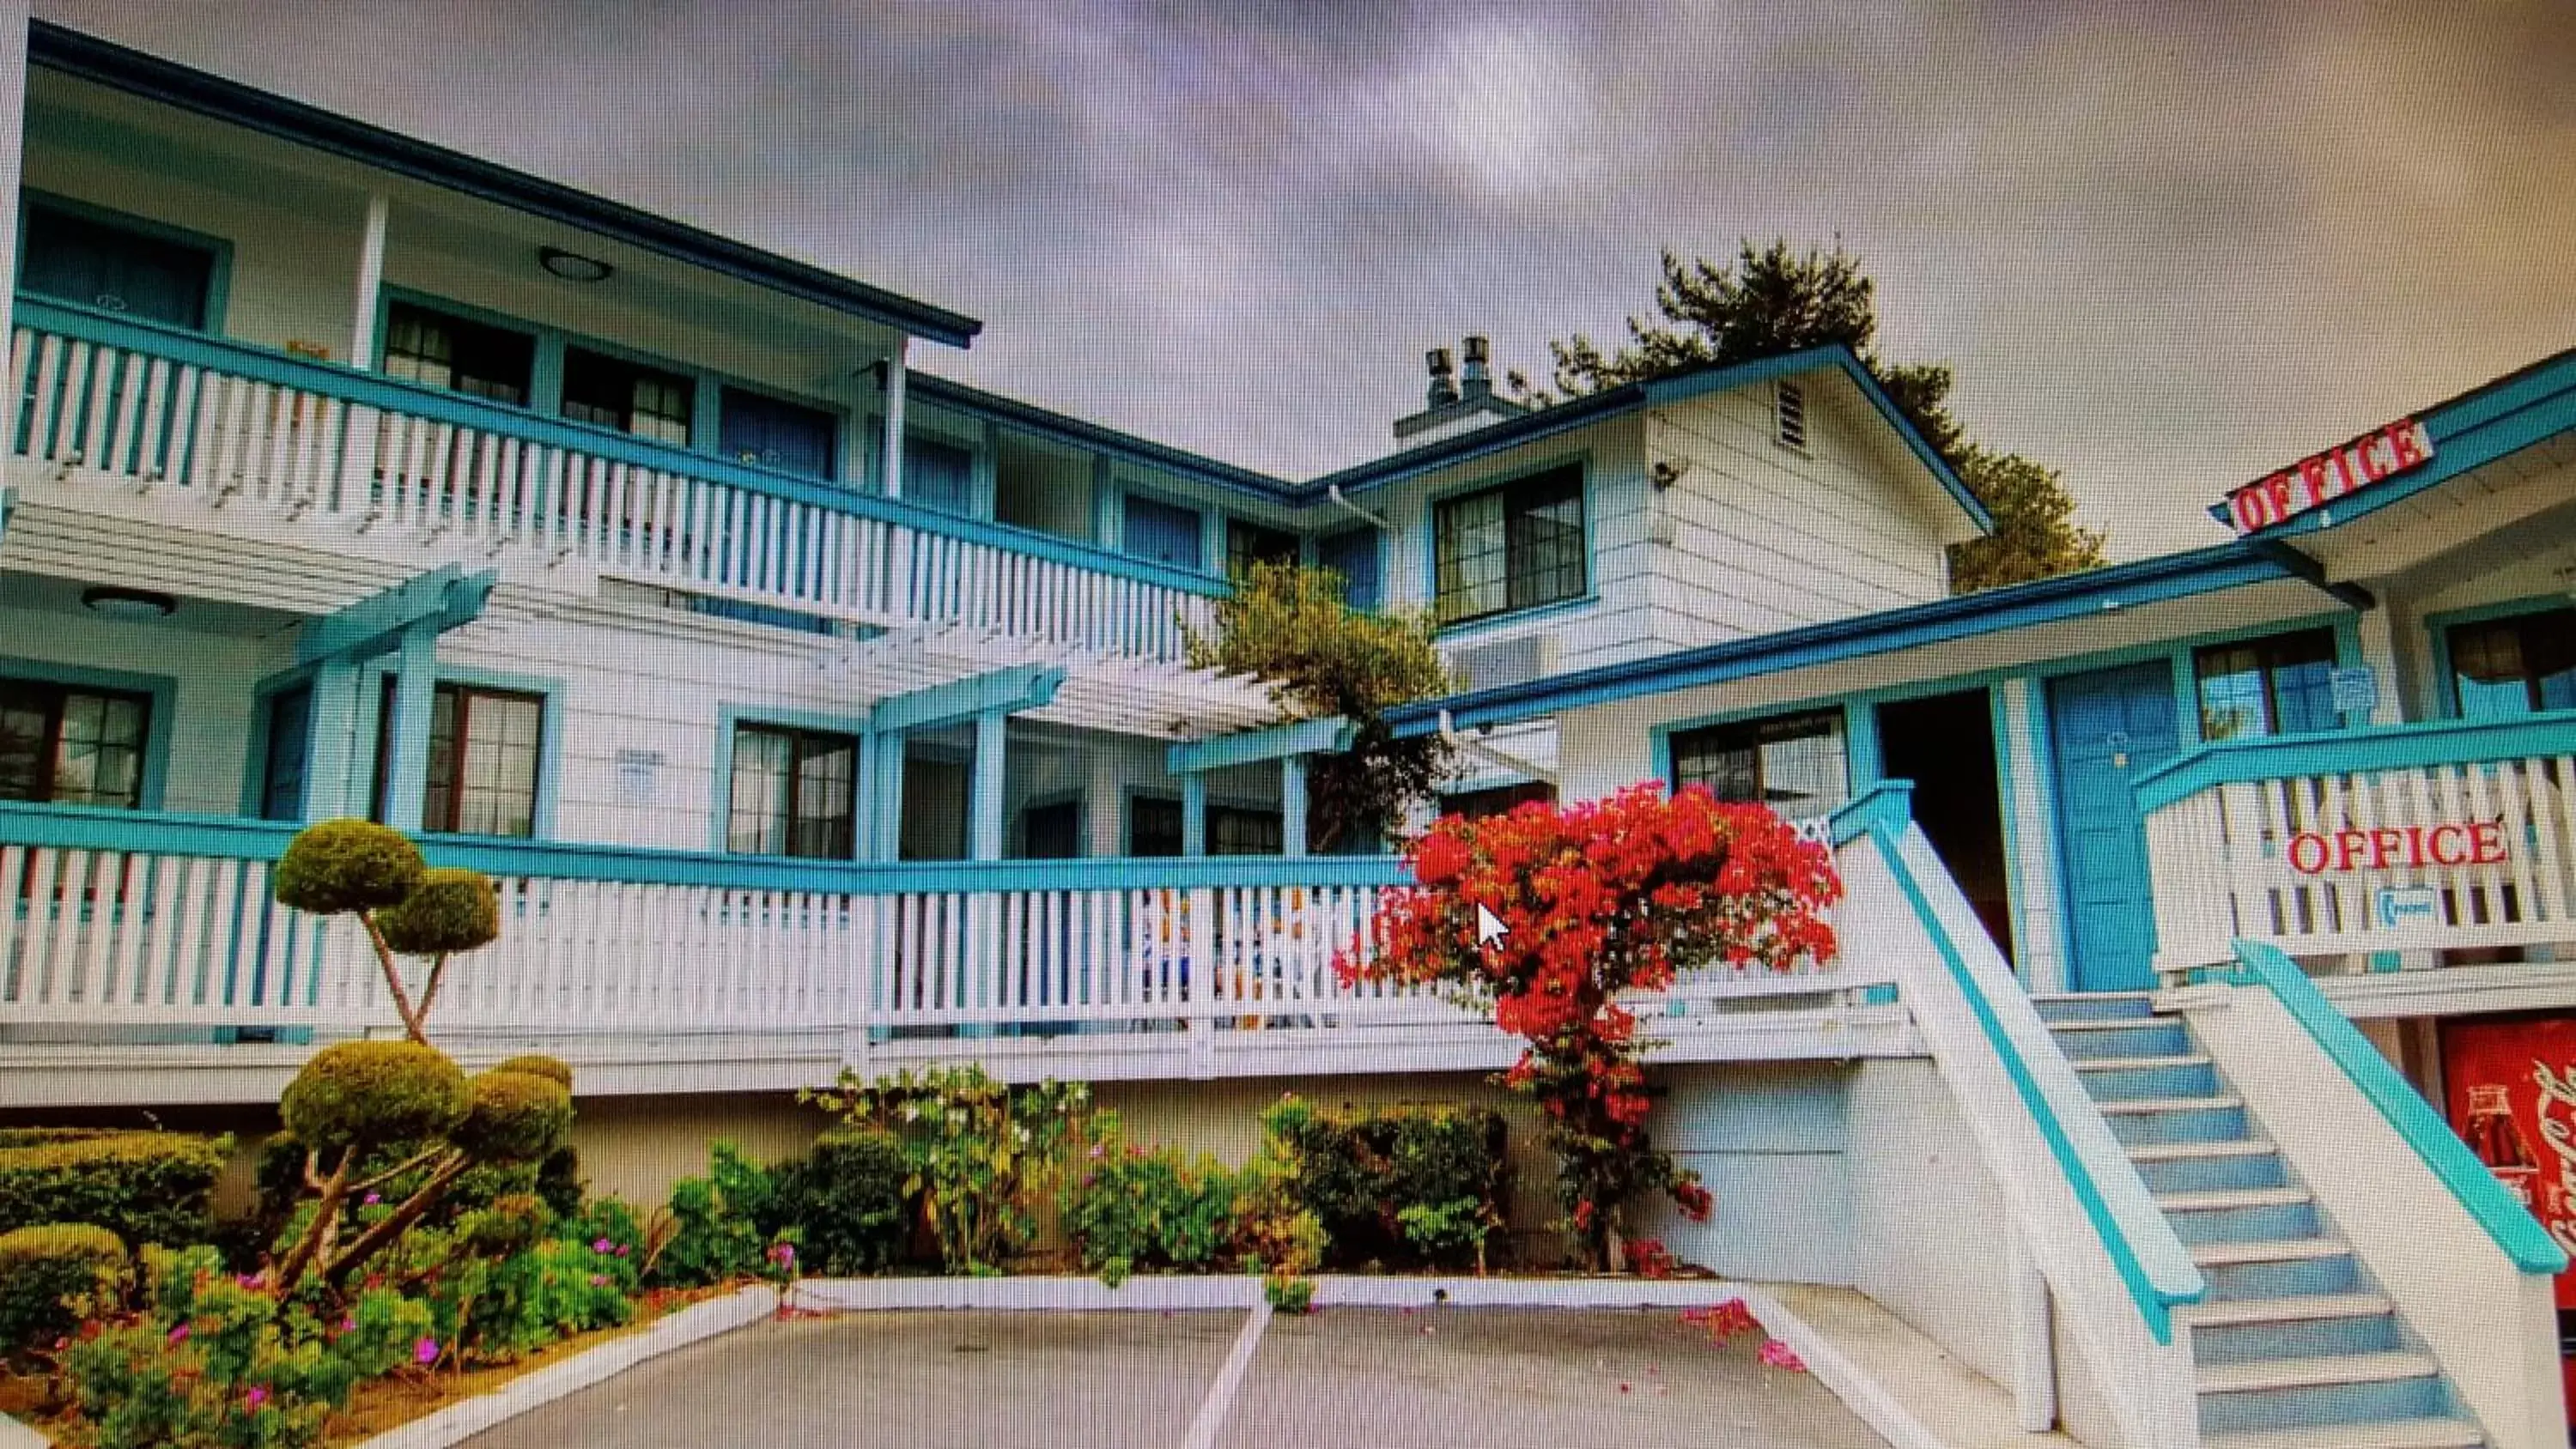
<point x="2295" y="1349"/>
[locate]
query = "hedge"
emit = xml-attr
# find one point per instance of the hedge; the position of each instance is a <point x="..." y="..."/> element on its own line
<point x="41" y="1267"/>
<point x="145" y="1187"/>
<point x="1359" y="1168"/>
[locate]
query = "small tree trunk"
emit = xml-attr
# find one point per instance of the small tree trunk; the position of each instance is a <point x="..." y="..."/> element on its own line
<point x="374" y="1240"/>
<point x="282" y="1276"/>
<point x="411" y="1016"/>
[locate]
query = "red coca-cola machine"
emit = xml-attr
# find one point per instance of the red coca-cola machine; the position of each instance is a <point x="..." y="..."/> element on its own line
<point x="2510" y="1083"/>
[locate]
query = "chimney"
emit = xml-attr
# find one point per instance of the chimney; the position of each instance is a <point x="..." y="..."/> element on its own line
<point x="1444" y="390"/>
<point x="1480" y="371"/>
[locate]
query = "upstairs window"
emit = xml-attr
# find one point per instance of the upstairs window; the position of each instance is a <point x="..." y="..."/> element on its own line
<point x="70" y="745"/>
<point x="1163" y="533"/>
<point x="1247" y="544"/>
<point x="2283" y="685"/>
<point x="1353" y="554"/>
<point x="1495" y="800"/>
<point x="795" y="792"/>
<point x="610" y="392"/>
<point x="1153" y="826"/>
<point x="1796" y="764"/>
<point x="2505" y="667"/>
<point x="1243" y="830"/>
<point x="437" y="350"/>
<point x="484" y="746"/>
<point x="768" y="433"/>
<point x="1789" y="415"/>
<point x="939" y="475"/>
<point x="115" y="269"/>
<point x="1518" y="546"/>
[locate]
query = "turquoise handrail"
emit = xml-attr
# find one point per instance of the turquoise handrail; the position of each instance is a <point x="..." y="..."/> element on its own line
<point x="2496" y="1210"/>
<point x="2393" y="747"/>
<point x="72" y="827"/>
<point x="2159" y="1273"/>
<point x="368" y="389"/>
<point x="1888" y="802"/>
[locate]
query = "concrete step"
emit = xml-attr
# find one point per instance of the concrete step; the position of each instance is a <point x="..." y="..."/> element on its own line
<point x="2263" y="1375"/>
<point x="2215" y="1102"/>
<point x="2140" y="1064"/>
<point x="2094" y="1006"/>
<point x="2130" y="1079"/>
<point x="2226" y="1199"/>
<point x="2140" y="1120"/>
<point x="2177" y="1151"/>
<point x="2146" y="1036"/>
<point x="2301" y="1308"/>
<point x="2267" y="1250"/>
<point x="2433" y="1433"/>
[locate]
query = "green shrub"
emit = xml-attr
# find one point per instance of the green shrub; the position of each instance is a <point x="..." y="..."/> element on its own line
<point x="550" y="1068"/>
<point x="448" y="910"/>
<point x="368" y="1093"/>
<point x="347" y="865"/>
<point x="53" y="1276"/>
<point x="1142" y="1209"/>
<point x="559" y="1180"/>
<point x="983" y="1153"/>
<point x="145" y="1187"/>
<point x="47" y="1136"/>
<point x="1360" y="1169"/>
<point x="846" y="1203"/>
<point x="551" y="1290"/>
<point x="514" y="1117"/>
<point x="714" y="1224"/>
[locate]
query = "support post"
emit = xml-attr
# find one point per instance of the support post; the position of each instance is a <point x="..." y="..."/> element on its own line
<point x="415" y="690"/>
<point x="1292" y="805"/>
<point x="894" y="381"/>
<point x="2034" y="1344"/>
<point x="984" y="820"/>
<point x="371" y="283"/>
<point x="886" y="819"/>
<point x="863" y="832"/>
<point x="334" y="784"/>
<point x="1194" y="814"/>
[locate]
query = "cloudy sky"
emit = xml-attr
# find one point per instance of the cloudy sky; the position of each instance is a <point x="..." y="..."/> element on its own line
<point x="2166" y="246"/>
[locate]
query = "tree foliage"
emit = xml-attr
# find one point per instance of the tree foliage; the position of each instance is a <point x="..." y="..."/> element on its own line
<point x="1292" y="627"/>
<point x="1773" y="300"/>
<point x="374" y="872"/>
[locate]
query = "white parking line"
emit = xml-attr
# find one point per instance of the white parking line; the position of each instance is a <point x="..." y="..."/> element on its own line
<point x="1220" y="1398"/>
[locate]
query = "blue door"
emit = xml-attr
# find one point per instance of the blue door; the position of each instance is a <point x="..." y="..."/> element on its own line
<point x="2105" y="728"/>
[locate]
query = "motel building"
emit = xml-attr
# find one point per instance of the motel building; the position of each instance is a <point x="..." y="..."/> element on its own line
<point x="2198" y="1065"/>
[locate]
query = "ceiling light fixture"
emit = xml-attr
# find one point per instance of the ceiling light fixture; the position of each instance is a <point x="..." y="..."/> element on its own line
<point x="128" y="603"/>
<point x="573" y="266"/>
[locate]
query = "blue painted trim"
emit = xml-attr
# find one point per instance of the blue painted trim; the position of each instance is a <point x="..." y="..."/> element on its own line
<point x="731" y="717"/>
<point x="1581" y="461"/>
<point x="1887" y="804"/>
<point x="1198" y="508"/>
<point x="1019" y="687"/>
<point x="2389" y="747"/>
<point x="263" y="698"/>
<point x="1999" y="727"/>
<point x="90" y="58"/>
<point x="1279" y="742"/>
<point x="161" y="689"/>
<point x="2505" y="1220"/>
<point x="2074" y="596"/>
<point x="219" y="273"/>
<point x="440" y="405"/>
<point x="446" y="596"/>
<point x="1058" y="427"/>
<point x="371" y="700"/>
<point x="2437" y="628"/>
<point x="2156" y="1286"/>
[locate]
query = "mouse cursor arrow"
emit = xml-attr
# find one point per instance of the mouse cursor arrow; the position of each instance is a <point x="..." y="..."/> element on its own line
<point x="1489" y="927"/>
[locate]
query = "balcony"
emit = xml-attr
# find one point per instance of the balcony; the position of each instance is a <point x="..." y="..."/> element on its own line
<point x="136" y="945"/>
<point x="2449" y="844"/>
<point x="233" y="439"/>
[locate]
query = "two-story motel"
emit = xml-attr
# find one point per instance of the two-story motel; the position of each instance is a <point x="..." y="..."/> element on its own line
<point x="814" y="711"/>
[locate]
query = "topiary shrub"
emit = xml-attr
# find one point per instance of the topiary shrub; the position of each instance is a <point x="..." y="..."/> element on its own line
<point x="449" y="910"/>
<point x="514" y="1117"/>
<point x="359" y="1094"/>
<point x="145" y="1187"/>
<point x="1359" y="1170"/>
<point x="550" y="1068"/>
<point x="338" y="866"/>
<point x="846" y="1201"/>
<point x="53" y="1276"/>
<point x="559" y="1181"/>
<point x="46" y="1136"/>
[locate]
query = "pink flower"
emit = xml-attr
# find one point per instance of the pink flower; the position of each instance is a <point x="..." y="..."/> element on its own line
<point x="621" y="1250"/>
<point x="425" y="1352"/>
<point x="1779" y="1356"/>
<point x="257" y="1396"/>
<point x="598" y="1280"/>
<point x="371" y="1199"/>
<point x="348" y="1323"/>
<point x="179" y="1335"/>
<point x="603" y="1245"/>
<point x="247" y="1280"/>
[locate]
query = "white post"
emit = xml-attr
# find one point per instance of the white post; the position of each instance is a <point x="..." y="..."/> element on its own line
<point x="2033" y="1339"/>
<point x="371" y="283"/>
<point x="13" y="136"/>
<point x="894" y="377"/>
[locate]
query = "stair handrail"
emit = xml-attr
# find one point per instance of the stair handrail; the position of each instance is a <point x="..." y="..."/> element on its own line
<point x="2354" y="752"/>
<point x="2504" y="1218"/>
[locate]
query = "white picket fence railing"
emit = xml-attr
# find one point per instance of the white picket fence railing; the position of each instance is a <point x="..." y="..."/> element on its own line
<point x="244" y="428"/>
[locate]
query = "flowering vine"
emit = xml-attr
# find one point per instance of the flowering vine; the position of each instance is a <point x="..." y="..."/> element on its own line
<point x="1598" y="900"/>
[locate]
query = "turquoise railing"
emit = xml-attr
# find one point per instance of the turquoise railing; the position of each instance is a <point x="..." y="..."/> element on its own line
<point x="2152" y="1262"/>
<point x="2496" y="1210"/>
<point x="2357" y="752"/>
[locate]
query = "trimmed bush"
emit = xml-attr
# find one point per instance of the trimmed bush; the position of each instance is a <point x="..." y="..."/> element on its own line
<point x="347" y="865"/>
<point x="1130" y="1208"/>
<point x="45" y="1269"/>
<point x="846" y="1202"/>
<point x="364" y="1093"/>
<point x="449" y="910"/>
<point x="46" y="1136"/>
<point x="559" y="1181"/>
<point x="145" y="1187"/>
<point x="550" y="1068"/>
<point x="1359" y="1169"/>
<point x="514" y="1117"/>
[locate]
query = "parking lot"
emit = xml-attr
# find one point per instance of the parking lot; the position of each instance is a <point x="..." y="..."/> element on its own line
<point x="1492" y="1378"/>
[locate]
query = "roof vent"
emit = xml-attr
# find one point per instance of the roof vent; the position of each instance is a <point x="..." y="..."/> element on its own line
<point x="1789" y="415"/>
<point x="1479" y="376"/>
<point x="1444" y="388"/>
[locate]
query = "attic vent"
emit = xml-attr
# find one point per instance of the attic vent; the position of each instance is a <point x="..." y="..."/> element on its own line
<point x="1789" y="414"/>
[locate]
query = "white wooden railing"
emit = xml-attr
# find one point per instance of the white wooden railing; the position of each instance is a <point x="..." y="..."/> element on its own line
<point x="2420" y="836"/>
<point x="245" y="428"/>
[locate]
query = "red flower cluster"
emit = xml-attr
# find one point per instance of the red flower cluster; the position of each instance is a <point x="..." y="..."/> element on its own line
<point x="1723" y="1321"/>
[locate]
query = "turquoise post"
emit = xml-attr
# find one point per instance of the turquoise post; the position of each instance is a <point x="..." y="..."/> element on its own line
<point x="334" y="784"/>
<point x="1194" y="814"/>
<point x="408" y="731"/>
<point x="1292" y="805"/>
<point x="985" y="819"/>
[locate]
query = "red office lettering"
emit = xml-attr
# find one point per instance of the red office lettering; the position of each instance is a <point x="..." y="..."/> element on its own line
<point x="2433" y="839"/>
<point x="2344" y="481"/>
<point x="2382" y="841"/>
<point x="2312" y="476"/>
<point x="2406" y="440"/>
<point x="2308" y="852"/>
<point x="2373" y="467"/>
<point x="2346" y="842"/>
<point x="2248" y="506"/>
<point x="2488" y="838"/>
<point x="2277" y="489"/>
<point x="2415" y="845"/>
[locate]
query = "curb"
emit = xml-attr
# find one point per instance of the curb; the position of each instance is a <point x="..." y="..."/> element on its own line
<point x="14" y="1435"/>
<point x="1206" y="1292"/>
<point x="1842" y="1377"/>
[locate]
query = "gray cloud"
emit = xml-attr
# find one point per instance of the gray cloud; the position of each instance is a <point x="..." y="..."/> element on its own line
<point x="2165" y="246"/>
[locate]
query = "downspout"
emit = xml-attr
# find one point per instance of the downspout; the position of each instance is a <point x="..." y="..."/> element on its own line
<point x="1378" y="521"/>
<point x="1492" y="756"/>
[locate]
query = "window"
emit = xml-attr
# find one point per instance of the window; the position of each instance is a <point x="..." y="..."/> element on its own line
<point x="483" y="752"/>
<point x="1240" y="830"/>
<point x="1794" y="763"/>
<point x="1789" y="414"/>
<point x="2283" y="685"/>
<point x="1052" y="832"/>
<point x="1497" y="800"/>
<point x="1163" y="533"/>
<point x="71" y="745"/>
<point x="1352" y="554"/>
<point x="1153" y="825"/>
<point x="436" y="350"/>
<point x="1513" y="547"/>
<point x="768" y="433"/>
<point x="113" y="268"/>
<point x="1247" y="544"/>
<point x="795" y="792"/>
<point x="939" y="475"/>
<point x="610" y="392"/>
<point x="2515" y="666"/>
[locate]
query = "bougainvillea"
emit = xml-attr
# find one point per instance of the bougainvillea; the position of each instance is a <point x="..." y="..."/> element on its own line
<point x="1599" y="902"/>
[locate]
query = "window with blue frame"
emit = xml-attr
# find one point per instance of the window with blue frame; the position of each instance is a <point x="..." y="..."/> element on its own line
<point x="117" y="269"/>
<point x="72" y="745"/>
<point x="1515" y="547"/>
<point x="939" y="475"/>
<point x="611" y="392"/>
<point x="1250" y="544"/>
<point x="2281" y="685"/>
<point x="1797" y="763"/>
<point x="2514" y="666"/>
<point x="484" y="748"/>
<point x="1163" y="533"/>
<point x="458" y="354"/>
<point x="794" y="792"/>
<point x="1353" y="554"/>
